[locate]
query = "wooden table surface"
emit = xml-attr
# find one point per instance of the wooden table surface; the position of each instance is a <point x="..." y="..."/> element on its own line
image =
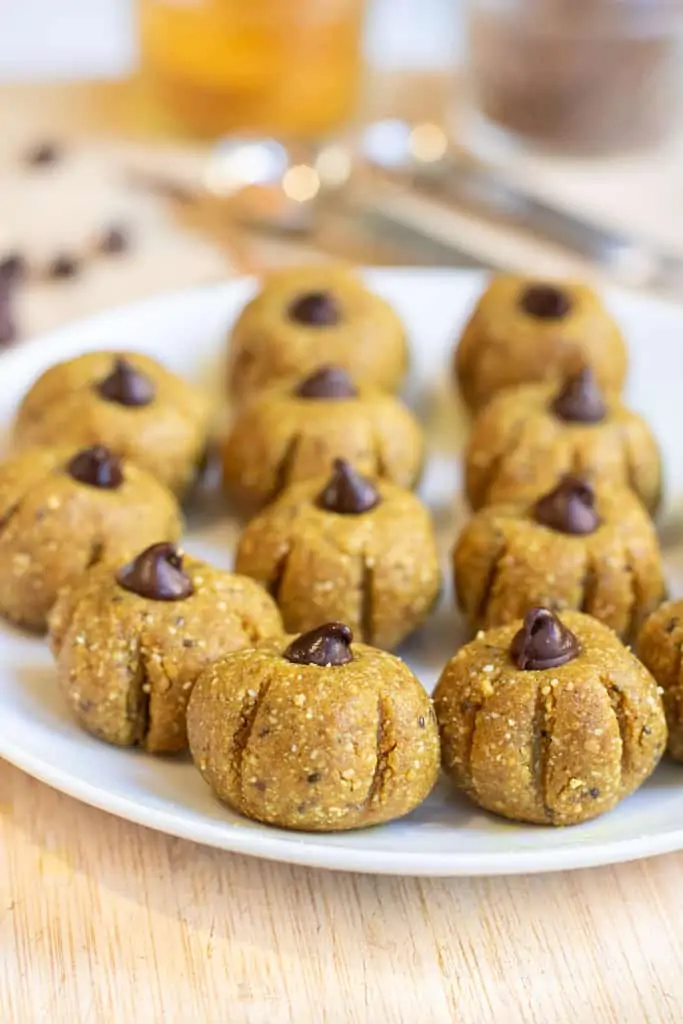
<point x="105" y="921"/>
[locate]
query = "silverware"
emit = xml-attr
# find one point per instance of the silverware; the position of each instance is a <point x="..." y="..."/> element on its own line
<point x="421" y="155"/>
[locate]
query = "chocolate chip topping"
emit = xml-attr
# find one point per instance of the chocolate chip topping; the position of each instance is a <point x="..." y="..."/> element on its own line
<point x="327" y="382"/>
<point x="315" y="309"/>
<point x="97" y="467"/>
<point x="347" y="492"/>
<point x="580" y="399"/>
<point x="569" y="507"/>
<point x="545" y="301"/>
<point x="126" y="385"/>
<point x="327" y="645"/>
<point x="543" y="642"/>
<point x="157" y="573"/>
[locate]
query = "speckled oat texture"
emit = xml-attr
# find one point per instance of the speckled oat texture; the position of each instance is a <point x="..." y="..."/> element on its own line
<point x="557" y="746"/>
<point x="503" y="346"/>
<point x="505" y="562"/>
<point x="166" y="437"/>
<point x="127" y="664"/>
<point x="279" y="438"/>
<point x="377" y="571"/>
<point x="518" y="449"/>
<point x="267" y="345"/>
<point x="52" y="527"/>
<point x="659" y="648"/>
<point x="318" y="749"/>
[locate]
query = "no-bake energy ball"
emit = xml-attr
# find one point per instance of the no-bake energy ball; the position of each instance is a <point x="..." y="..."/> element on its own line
<point x="527" y="437"/>
<point x="591" y="550"/>
<point x="309" y="316"/>
<point x="550" y="720"/>
<point x="293" y="431"/>
<point x="314" y="733"/>
<point x="525" y="331"/>
<point x="126" y="401"/>
<point x="349" y="549"/>
<point x="659" y="648"/>
<point x="130" y="643"/>
<point x="62" y="512"/>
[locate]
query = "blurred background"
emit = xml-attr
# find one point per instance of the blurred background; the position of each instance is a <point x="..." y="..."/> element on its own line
<point x="153" y="143"/>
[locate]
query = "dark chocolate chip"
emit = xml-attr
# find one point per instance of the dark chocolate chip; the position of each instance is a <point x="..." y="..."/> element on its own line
<point x="43" y="154"/>
<point x="545" y="301"/>
<point x="63" y="266"/>
<point x="327" y="382"/>
<point x="126" y="385"/>
<point x="315" y="309"/>
<point x="347" y="492"/>
<point x="97" y="467"/>
<point x="189" y="643"/>
<point x="157" y="573"/>
<point x="543" y="642"/>
<point x="13" y="268"/>
<point x="313" y="777"/>
<point x="8" y="328"/>
<point x="594" y="792"/>
<point x="580" y="400"/>
<point x="569" y="507"/>
<point x="115" y="240"/>
<point x="327" y="645"/>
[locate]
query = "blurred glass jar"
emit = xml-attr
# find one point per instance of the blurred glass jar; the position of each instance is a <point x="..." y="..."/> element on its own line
<point x="286" y="67"/>
<point x="590" y="77"/>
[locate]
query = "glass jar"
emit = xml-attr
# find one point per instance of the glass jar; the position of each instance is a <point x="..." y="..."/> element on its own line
<point x="284" y="67"/>
<point x="579" y="76"/>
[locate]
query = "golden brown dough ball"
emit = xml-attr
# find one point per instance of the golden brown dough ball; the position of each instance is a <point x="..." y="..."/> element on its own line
<point x="314" y="733"/>
<point x="550" y="720"/>
<point x="524" y="331"/>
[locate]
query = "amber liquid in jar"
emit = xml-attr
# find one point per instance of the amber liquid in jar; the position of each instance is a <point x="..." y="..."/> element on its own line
<point x="286" y="67"/>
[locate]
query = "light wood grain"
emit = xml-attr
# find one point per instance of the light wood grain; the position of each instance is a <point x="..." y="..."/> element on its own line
<point x="103" y="922"/>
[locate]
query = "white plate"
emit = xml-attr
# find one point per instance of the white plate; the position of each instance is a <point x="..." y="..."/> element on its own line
<point x="446" y="836"/>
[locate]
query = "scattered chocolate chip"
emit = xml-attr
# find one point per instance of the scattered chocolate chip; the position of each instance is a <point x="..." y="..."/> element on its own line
<point x="63" y="266"/>
<point x="315" y="309"/>
<point x="594" y="793"/>
<point x="347" y="492"/>
<point x="126" y="385"/>
<point x="157" y="573"/>
<point x="189" y="643"/>
<point x="421" y="721"/>
<point x="96" y="467"/>
<point x="115" y="240"/>
<point x="580" y="399"/>
<point x="313" y="777"/>
<point x="13" y="268"/>
<point x="327" y="645"/>
<point x="8" y="328"/>
<point x="327" y="382"/>
<point x="569" y="507"/>
<point x="543" y="642"/>
<point x="43" y="154"/>
<point x="545" y="301"/>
